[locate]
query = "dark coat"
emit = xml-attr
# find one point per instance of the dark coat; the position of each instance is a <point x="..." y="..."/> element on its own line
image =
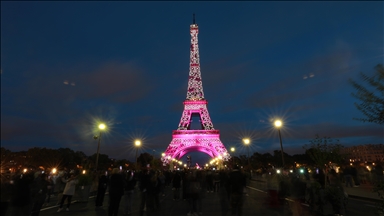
<point x="237" y="181"/>
<point x="176" y="182"/>
<point x="103" y="183"/>
<point x="130" y="182"/>
<point x="116" y="185"/>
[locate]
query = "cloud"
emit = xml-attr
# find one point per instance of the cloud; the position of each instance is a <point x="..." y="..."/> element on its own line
<point x="118" y="82"/>
<point x="338" y="131"/>
<point x="27" y="130"/>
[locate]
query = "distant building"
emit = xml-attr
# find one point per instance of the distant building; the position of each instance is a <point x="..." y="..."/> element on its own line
<point x="365" y="153"/>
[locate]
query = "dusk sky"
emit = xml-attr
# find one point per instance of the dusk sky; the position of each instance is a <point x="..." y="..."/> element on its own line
<point x="67" y="65"/>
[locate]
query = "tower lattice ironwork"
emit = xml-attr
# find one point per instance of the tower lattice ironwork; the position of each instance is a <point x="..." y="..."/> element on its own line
<point x="184" y="139"/>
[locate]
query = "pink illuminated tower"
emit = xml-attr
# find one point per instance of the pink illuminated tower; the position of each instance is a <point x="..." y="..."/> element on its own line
<point x="184" y="139"/>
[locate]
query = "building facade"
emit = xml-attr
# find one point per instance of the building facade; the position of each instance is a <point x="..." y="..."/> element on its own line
<point x="365" y="153"/>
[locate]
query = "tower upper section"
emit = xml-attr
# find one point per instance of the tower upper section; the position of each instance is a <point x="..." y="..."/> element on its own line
<point x="195" y="85"/>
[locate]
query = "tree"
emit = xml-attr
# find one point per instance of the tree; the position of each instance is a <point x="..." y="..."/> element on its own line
<point x="322" y="150"/>
<point x="144" y="159"/>
<point x="372" y="97"/>
<point x="103" y="164"/>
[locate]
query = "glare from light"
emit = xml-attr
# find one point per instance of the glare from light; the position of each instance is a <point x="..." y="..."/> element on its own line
<point x="54" y="170"/>
<point x="137" y="143"/>
<point x="278" y="123"/>
<point x="246" y="141"/>
<point x="232" y="149"/>
<point x="102" y="126"/>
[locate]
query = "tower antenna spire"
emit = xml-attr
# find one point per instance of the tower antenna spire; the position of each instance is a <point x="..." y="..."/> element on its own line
<point x="194" y="18"/>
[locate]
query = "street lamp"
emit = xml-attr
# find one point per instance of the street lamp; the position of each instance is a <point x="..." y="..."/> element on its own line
<point x="101" y="128"/>
<point x="233" y="157"/>
<point x="137" y="144"/>
<point x="278" y="124"/>
<point x="246" y="142"/>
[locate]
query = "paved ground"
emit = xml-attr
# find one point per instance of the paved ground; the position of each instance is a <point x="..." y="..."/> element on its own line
<point x="362" y="202"/>
<point x="213" y="205"/>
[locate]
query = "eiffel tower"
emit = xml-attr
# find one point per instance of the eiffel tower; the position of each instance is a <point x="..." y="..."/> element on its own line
<point x="184" y="139"/>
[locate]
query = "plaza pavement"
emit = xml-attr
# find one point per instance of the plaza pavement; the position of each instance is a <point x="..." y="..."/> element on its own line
<point x="212" y="205"/>
<point x="364" y="191"/>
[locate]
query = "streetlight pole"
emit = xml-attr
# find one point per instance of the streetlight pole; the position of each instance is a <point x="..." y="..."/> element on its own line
<point x="278" y="124"/>
<point x="137" y="144"/>
<point x="246" y="142"/>
<point x="233" y="157"/>
<point x="101" y="127"/>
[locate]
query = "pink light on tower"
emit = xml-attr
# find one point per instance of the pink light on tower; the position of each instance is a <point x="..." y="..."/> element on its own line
<point x="207" y="139"/>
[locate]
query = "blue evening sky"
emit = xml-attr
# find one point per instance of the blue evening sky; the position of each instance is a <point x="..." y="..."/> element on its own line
<point x="67" y="65"/>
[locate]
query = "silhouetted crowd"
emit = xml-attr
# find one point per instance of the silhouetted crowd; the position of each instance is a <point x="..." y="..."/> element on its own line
<point x="27" y="192"/>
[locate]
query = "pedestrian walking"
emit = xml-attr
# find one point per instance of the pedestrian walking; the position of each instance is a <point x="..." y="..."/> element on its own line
<point x="5" y="194"/>
<point x="336" y="193"/>
<point x="68" y="192"/>
<point x="162" y="183"/>
<point x="116" y="191"/>
<point x="237" y="183"/>
<point x="50" y="189"/>
<point x="355" y="176"/>
<point x="130" y="182"/>
<point x="348" y="176"/>
<point x="202" y="192"/>
<point x="39" y="193"/>
<point x="21" y="194"/>
<point x="184" y="185"/>
<point x="154" y="191"/>
<point x="101" y="189"/>
<point x="379" y="173"/>
<point x="209" y="179"/>
<point x="60" y="182"/>
<point x="224" y="192"/>
<point x="145" y="189"/>
<point x="193" y="190"/>
<point x="176" y="183"/>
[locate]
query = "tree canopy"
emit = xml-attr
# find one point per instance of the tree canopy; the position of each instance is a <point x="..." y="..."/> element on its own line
<point x="323" y="150"/>
<point x="371" y="96"/>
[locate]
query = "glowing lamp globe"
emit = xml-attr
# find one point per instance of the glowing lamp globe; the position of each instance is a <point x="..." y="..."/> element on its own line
<point x="278" y="123"/>
<point x="246" y="141"/>
<point x="137" y="142"/>
<point x="102" y="126"/>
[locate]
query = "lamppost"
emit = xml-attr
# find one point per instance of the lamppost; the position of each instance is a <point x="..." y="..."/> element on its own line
<point x="278" y="124"/>
<point x="101" y="128"/>
<point x="137" y="144"/>
<point x="233" y="157"/>
<point x="246" y="142"/>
